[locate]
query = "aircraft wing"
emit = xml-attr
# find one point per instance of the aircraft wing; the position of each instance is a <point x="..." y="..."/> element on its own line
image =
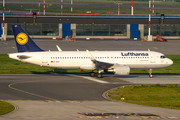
<point x="100" y="64"/>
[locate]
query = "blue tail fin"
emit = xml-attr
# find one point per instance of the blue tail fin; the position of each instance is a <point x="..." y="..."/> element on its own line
<point x="23" y="42"/>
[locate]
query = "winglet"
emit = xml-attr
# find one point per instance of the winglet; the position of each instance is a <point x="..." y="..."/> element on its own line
<point x="59" y="49"/>
<point x="91" y="56"/>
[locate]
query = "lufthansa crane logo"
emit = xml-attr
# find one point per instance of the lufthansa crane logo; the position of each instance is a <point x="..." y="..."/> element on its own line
<point x="22" y="38"/>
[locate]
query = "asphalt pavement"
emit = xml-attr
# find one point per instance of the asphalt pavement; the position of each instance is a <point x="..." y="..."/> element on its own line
<point x="169" y="48"/>
<point x="64" y="96"/>
<point x="59" y="97"/>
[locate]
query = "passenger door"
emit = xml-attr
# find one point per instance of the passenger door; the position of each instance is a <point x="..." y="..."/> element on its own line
<point x="44" y="58"/>
<point x="152" y="58"/>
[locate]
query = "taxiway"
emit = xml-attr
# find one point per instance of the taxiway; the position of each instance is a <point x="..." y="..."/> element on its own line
<point x="67" y="97"/>
<point x="57" y="97"/>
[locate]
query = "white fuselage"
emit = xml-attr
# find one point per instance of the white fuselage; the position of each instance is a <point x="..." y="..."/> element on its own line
<point x="82" y="60"/>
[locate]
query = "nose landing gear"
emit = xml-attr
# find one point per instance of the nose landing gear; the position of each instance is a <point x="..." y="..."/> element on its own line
<point x="150" y="73"/>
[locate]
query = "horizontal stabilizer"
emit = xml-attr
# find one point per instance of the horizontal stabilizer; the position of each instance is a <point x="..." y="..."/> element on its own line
<point x="23" y="56"/>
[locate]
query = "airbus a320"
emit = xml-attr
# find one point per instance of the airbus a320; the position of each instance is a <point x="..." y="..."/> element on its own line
<point x="118" y="62"/>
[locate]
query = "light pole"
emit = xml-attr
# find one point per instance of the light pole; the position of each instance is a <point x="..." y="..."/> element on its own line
<point x="3" y="36"/>
<point x="39" y="6"/>
<point x="44" y="7"/>
<point x="132" y="8"/>
<point x="153" y="8"/>
<point x="61" y="7"/>
<point x="149" y="30"/>
<point x="118" y="8"/>
<point x="71" y="6"/>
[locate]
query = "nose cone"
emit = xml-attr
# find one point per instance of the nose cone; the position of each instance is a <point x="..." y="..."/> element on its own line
<point x="170" y="62"/>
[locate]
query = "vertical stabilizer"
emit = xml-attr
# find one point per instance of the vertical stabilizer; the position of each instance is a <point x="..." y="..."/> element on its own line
<point x="23" y="42"/>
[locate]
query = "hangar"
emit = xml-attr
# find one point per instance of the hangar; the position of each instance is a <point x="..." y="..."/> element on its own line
<point x="94" y="26"/>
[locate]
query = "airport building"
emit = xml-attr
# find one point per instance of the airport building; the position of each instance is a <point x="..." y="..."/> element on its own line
<point x="99" y="26"/>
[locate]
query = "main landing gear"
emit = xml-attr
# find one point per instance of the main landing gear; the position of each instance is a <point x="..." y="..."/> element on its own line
<point x="150" y="73"/>
<point x="92" y="74"/>
<point x="98" y="75"/>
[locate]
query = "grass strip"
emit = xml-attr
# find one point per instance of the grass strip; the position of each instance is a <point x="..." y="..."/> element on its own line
<point x="158" y="3"/>
<point x="165" y="96"/>
<point x="84" y="9"/>
<point x="5" y="107"/>
<point x="10" y="66"/>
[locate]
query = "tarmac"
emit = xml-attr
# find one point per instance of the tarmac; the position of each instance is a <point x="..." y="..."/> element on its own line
<point x="73" y="97"/>
<point x="59" y="97"/>
<point x="168" y="48"/>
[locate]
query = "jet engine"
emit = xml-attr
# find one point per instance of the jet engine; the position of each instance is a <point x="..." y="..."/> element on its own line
<point x="120" y="70"/>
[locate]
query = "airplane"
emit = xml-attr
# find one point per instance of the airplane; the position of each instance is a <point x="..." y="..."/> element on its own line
<point x="117" y="62"/>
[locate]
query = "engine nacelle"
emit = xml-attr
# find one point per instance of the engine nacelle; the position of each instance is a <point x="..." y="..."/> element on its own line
<point x="87" y="67"/>
<point x="120" y="70"/>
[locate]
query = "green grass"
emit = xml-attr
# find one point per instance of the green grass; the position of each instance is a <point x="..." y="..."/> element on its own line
<point x="84" y="9"/>
<point x="10" y="66"/>
<point x="5" y="107"/>
<point x="165" y="96"/>
<point x="159" y="3"/>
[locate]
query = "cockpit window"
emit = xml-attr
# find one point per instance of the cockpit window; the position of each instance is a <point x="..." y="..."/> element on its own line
<point x="163" y="56"/>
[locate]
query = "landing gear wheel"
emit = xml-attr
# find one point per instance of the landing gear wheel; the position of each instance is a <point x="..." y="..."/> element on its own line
<point x="99" y="75"/>
<point x="150" y="73"/>
<point x="150" y="76"/>
<point x="91" y="74"/>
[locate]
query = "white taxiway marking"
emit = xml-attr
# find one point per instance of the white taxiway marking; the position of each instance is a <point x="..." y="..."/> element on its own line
<point x="88" y="78"/>
<point x="155" y="48"/>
